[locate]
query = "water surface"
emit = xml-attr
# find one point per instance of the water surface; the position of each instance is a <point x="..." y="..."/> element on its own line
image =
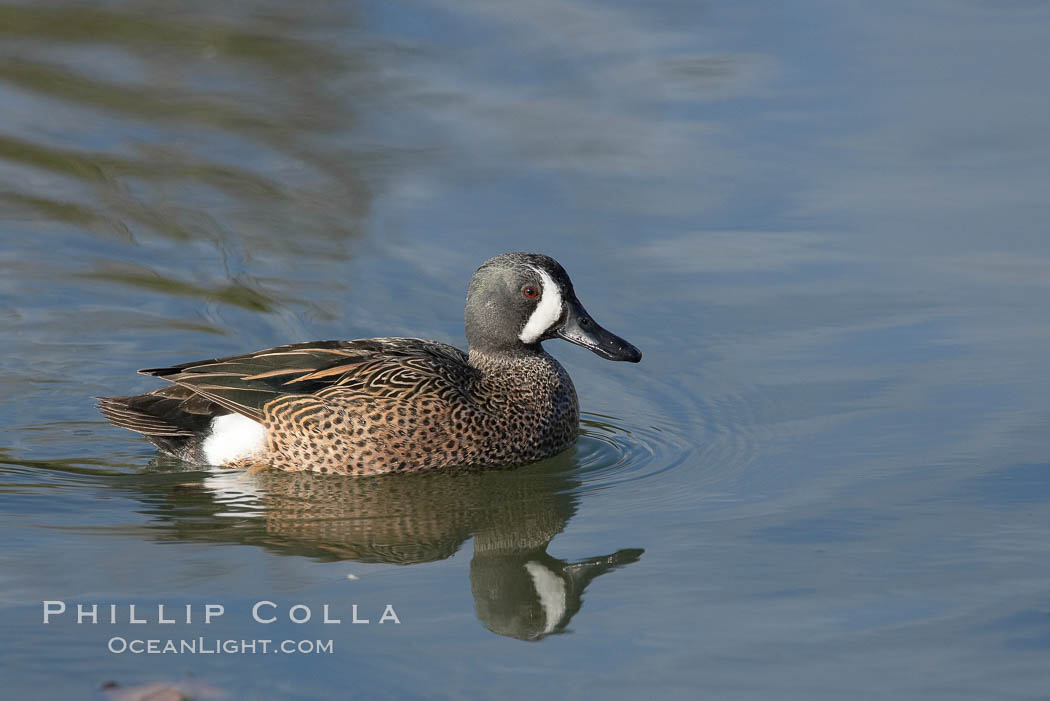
<point x="823" y="224"/>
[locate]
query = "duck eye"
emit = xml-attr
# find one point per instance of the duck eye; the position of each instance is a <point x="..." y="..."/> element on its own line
<point x="530" y="292"/>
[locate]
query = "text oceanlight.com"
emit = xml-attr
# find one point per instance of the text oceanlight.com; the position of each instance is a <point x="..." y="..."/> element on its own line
<point x="205" y="646"/>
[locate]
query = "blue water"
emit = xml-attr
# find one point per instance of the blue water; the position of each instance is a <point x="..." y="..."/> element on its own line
<point x="824" y="224"/>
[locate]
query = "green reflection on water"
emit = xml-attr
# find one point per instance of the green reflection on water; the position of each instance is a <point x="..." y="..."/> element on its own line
<point x="147" y="30"/>
<point x="234" y="293"/>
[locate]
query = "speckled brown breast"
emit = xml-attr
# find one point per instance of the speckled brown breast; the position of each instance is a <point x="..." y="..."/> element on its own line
<point x="439" y="411"/>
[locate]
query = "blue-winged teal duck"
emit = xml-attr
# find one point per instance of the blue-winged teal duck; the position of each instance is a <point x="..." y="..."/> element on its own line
<point x="383" y="405"/>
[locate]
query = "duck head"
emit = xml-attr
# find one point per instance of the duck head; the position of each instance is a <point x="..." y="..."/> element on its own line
<point x="516" y="301"/>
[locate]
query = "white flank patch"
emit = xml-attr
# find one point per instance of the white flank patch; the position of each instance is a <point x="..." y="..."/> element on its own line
<point x="551" y="589"/>
<point x="547" y="311"/>
<point x="232" y="437"/>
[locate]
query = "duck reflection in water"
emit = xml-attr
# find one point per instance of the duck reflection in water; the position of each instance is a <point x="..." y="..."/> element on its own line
<point x="519" y="590"/>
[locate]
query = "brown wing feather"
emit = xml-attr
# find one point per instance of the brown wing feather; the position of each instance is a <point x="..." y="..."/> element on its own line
<point x="402" y="367"/>
<point x="120" y="413"/>
<point x="171" y="411"/>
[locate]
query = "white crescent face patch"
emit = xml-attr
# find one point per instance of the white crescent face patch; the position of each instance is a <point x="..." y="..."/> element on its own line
<point x="551" y="590"/>
<point x="546" y="312"/>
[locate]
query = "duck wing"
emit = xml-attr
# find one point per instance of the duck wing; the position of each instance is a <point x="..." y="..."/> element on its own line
<point x="387" y="367"/>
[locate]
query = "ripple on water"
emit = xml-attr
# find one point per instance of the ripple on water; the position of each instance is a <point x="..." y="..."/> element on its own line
<point x="676" y="447"/>
<point x="653" y="454"/>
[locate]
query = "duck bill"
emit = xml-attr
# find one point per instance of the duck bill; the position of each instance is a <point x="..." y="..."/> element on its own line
<point x="578" y="327"/>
